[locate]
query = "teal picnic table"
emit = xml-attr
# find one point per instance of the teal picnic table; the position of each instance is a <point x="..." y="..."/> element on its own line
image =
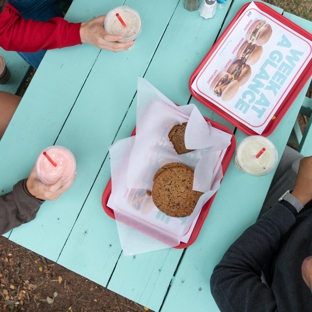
<point x="85" y="99"/>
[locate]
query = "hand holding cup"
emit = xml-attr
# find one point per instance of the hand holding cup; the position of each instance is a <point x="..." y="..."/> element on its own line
<point x="44" y="191"/>
<point x="53" y="174"/>
<point x="93" y="32"/>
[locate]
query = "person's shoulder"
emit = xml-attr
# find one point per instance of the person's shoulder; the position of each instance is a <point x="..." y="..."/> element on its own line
<point x="9" y="15"/>
<point x="9" y="9"/>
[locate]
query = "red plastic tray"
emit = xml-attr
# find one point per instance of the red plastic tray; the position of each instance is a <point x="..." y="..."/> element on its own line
<point x="204" y="212"/>
<point x="292" y="94"/>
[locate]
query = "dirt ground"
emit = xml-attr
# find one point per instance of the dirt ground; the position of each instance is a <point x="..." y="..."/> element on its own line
<point x="29" y="282"/>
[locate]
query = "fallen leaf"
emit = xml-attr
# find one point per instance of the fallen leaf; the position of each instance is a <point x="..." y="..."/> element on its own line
<point x="12" y="286"/>
<point x="60" y="279"/>
<point x="146" y="309"/>
<point x="50" y="300"/>
<point x="40" y="269"/>
<point x="55" y="294"/>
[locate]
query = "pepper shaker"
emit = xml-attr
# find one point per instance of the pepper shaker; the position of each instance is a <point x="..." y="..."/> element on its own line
<point x="191" y="5"/>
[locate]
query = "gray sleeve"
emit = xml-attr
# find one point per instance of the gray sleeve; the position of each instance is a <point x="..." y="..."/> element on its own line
<point x="236" y="281"/>
<point x="17" y="207"/>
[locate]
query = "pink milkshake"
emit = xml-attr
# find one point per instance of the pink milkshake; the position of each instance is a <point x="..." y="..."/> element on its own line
<point x="55" y="162"/>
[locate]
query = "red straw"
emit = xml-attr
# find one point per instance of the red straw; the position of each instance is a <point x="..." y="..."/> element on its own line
<point x="121" y="20"/>
<point x="260" y="152"/>
<point x="49" y="159"/>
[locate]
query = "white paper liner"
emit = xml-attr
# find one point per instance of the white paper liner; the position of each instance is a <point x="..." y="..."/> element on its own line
<point x="134" y="242"/>
<point x="132" y="206"/>
<point x="135" y="160"/>
<point x="156" y="115"/>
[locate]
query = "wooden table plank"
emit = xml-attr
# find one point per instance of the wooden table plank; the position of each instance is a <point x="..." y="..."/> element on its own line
<point x="145" y="278"/>
<point x="307" y="25"/>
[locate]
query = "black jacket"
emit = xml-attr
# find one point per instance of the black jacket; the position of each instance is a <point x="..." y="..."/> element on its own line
<point x="275" y="245"/>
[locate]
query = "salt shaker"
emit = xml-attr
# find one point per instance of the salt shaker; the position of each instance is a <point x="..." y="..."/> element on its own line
<point x="191" y="5"/>
<point x="208" y="8"/>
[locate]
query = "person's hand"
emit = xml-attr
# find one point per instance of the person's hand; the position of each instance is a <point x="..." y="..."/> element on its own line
<point x="94" y="33"/>
<point x="306" y="271"/>
<point x="46" y="192"/>
<point x="303" y="185"/>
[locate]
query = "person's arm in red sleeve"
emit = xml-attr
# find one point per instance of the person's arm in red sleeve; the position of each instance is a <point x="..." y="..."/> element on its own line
<point x="18" y="34"/>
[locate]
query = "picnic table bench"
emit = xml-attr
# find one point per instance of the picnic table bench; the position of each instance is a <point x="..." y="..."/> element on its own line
<point x="85" y="99"/>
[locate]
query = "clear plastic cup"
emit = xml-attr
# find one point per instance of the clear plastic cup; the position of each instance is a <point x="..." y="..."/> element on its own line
<point x="256" y="155"/>
<point x="55" y="162"/>
<point x="4" y="71"/>
<point x="130" y="17"/>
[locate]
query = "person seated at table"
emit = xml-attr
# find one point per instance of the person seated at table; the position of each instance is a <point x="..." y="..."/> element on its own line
<point x="8" y="105"/>
<point x="21" y="205"/>
<point x="269" y="267"/>
<point x="30" y="27"/>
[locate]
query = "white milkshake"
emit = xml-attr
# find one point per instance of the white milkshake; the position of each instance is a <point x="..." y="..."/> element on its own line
<point x="123" y="21"/>
<point x="256" y="155"/>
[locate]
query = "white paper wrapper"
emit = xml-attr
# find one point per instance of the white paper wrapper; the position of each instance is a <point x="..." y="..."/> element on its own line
<point x="134" y="162"/>
<point x="134" y="242"/>
<point x="156" y="115"/>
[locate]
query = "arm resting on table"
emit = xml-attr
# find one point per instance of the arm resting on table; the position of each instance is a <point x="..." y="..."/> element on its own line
<point x="236" y="281"/>
<point x="18" y="34"/>
<point x="17" y="207"/>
